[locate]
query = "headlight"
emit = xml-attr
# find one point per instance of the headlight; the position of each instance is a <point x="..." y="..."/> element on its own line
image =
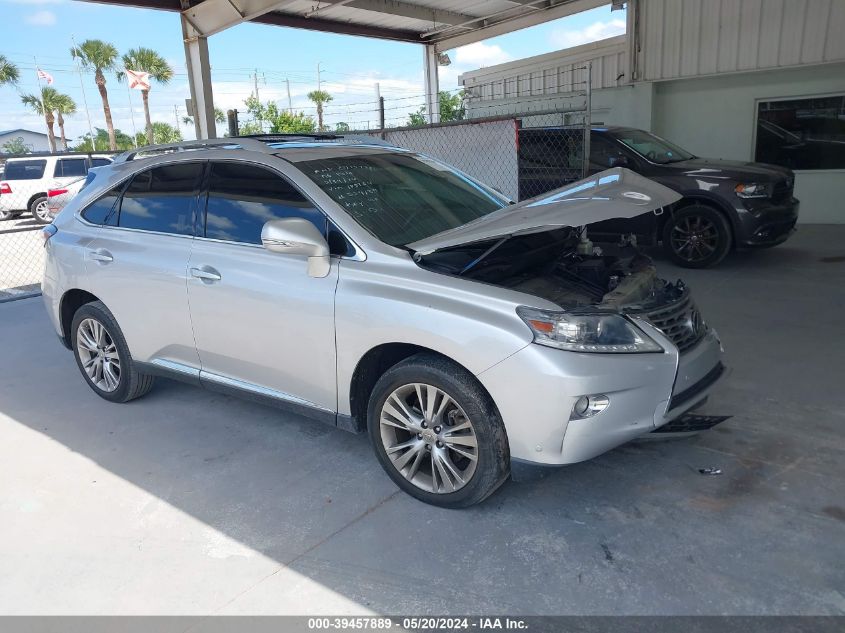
<point x="753" y="190"/>
<point x="607" y="333"/>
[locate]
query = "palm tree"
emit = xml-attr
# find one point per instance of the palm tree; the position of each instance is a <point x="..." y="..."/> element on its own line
<point x="9" y="73"/>
<point x="100" y="56"/>
<point x="44" y="104"/>
<point x="64" y="105"/>
<point x="148" y="61"/>
<point x="319" y="97"/>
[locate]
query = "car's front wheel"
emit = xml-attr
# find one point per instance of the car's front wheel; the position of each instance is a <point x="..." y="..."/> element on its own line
<point x="697" y="236"/>
<point x="437" y="433"/>
<point x="103" y="356"/>
<point x="40" y="210"/>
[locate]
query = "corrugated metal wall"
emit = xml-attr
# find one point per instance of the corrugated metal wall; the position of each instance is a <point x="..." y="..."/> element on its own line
<point x="685" y="38"/>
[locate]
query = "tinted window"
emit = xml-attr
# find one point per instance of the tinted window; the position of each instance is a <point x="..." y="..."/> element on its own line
<point x="100" y="162"/>
<point x="603" y="153"/>
<point x="70" y="167"/>
<point x="25" y="169"/>
<point x="103" y="210"/>
<point x="802" y="133"/>
<point x="161" y="199"/>
<point x="241" y="198"/>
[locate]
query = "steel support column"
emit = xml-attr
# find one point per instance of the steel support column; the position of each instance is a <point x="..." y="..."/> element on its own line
<point x="432" y="84"/>
<point x="199" y="80"/>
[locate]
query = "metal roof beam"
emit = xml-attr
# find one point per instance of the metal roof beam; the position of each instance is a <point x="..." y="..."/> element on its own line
<point x="212" y="16"/>
<point x="397" y="8"/>
<point x="536" y="12"/>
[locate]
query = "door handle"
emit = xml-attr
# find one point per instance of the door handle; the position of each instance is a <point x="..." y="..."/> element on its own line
<point x="206" y="273"/>
<point x="101" y="255"/>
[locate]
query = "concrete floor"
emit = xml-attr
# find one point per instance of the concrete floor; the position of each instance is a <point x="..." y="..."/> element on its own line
<point x="187" y="502"/>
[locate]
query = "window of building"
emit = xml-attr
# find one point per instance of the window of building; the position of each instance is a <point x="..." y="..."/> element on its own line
<point x="804" y="133"/>
<point x="70" y="167"/>
<point x="162" y="199"/>
<point x="242" y="198"/>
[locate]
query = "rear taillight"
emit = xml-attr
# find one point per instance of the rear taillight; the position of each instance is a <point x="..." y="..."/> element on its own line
<point x="5" y="188"/>
<point x="55" y="192"/>
<point x="47" y="232"/>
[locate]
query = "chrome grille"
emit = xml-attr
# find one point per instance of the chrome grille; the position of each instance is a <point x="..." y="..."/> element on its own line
<point x="680" y="322"/>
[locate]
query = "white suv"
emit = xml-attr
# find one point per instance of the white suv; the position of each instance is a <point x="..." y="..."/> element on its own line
<point x="26" y="182"/>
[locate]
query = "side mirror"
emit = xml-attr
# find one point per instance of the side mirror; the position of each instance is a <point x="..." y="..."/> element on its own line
<point x="297" y="236"/>
<point x="618" y="161"/>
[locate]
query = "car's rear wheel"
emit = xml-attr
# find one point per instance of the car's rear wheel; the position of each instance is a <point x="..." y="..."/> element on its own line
<point x="103" y="357"/>
<point x="437" y="433"/>
<point x="40" y="210"/>
<point x="697" y="236"/>
<point x="9" y="215"/>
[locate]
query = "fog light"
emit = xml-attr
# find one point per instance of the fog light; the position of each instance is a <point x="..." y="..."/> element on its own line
<point x="588" y="406"/>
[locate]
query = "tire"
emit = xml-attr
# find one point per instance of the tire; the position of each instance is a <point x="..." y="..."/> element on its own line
<point x="461" y="481"/>
<point x="129" y="383"/>
<point x="9" y="215"/>
<point x="697" y="236"/>
<point x="40" y="210"/>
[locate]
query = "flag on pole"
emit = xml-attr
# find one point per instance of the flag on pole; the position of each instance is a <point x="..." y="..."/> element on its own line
<point x="45" y="76"/>
<point x="138" y="80"/>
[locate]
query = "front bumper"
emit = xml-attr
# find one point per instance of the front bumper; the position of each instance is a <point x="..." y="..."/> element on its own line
<point x="768" y="224"/>
<point x="536" y="388"/>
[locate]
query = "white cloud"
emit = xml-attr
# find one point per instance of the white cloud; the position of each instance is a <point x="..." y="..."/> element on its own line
<point x="35" y="2"/>
<point x="479" y="55"/>
<point x="41" y="18"/>
<point x="567" y="38"/>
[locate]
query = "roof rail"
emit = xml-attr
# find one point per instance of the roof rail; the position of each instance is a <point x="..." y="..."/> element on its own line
<point x="241" y="142"/>
<point x="293" y="136"/>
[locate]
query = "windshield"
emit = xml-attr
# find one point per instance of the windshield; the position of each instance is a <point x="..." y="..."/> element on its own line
<point x="654" y="148"/>
<point x="402" y="198"/>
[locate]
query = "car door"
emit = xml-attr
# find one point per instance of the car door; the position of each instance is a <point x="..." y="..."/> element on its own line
<point x="260" y="322"/>
<point x="137" y="263"/>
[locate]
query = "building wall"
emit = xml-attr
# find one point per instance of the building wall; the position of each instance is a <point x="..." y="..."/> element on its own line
<point x="715" y="117"/>
<point x="686" y="38"/>
<point x="34" y="141"/>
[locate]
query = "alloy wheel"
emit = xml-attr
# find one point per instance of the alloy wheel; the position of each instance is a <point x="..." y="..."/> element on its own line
<point x="42" y="212"/>
<point x="98" y="355"/>
<point x="428" y="438"/>
<point x="694" y="238"/>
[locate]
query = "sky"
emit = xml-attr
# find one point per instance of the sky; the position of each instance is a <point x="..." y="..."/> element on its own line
<point x="40" y="31"/>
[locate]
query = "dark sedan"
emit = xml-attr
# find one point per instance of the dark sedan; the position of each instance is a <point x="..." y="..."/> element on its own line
<point x="725" y="205"/>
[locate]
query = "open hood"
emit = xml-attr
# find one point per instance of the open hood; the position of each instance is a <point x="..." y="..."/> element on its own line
<point x="614" y="193"/>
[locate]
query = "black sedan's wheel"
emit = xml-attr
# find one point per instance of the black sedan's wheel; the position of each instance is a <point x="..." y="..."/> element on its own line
<point x="103" y="356"/>
<point x="437" y="433"/>
<point x="697" y="236"/>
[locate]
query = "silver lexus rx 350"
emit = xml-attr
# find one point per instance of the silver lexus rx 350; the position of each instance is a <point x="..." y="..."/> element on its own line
<point x="380" y="291"/>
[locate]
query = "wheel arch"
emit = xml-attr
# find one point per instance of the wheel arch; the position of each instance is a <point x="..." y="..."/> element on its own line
<point x="704" y="199"/>
<point x="373" y="364"/>
<point x="71" y="301"/>
<point x="33" y="198"/>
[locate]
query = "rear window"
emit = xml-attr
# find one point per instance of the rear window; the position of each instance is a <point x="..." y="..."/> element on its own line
<point x="25" y="169"/>
<point x="104" y="209"/>
<point x="68" y="167"/>
<point x="100" y="162"/>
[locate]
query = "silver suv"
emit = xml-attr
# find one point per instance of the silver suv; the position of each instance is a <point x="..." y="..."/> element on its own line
<point x="380" y="291"/>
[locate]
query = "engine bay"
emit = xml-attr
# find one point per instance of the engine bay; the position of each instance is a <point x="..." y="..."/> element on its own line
<point x="564" y="267"/>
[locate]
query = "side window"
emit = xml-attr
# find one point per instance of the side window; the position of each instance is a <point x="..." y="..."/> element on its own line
<point x="66" y="167"/>
<point x="241" y="198"/>
<point x="103" y="210"/>
<point x="25" y="169"/>
<point x="603" y="152"/>
<point x="100" y="162"/>
<point x="161" y="199"/>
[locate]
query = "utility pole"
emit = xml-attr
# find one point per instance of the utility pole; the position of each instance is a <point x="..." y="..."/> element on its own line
<point x="378" y="98"/>
<point x="255" y="78"/>
<point x="318" y="75"/>
<point x="290" y="104"/>
<point x="176" y="114"/>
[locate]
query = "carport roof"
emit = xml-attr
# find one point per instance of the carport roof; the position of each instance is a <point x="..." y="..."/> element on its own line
<point x="442" y="22"/>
